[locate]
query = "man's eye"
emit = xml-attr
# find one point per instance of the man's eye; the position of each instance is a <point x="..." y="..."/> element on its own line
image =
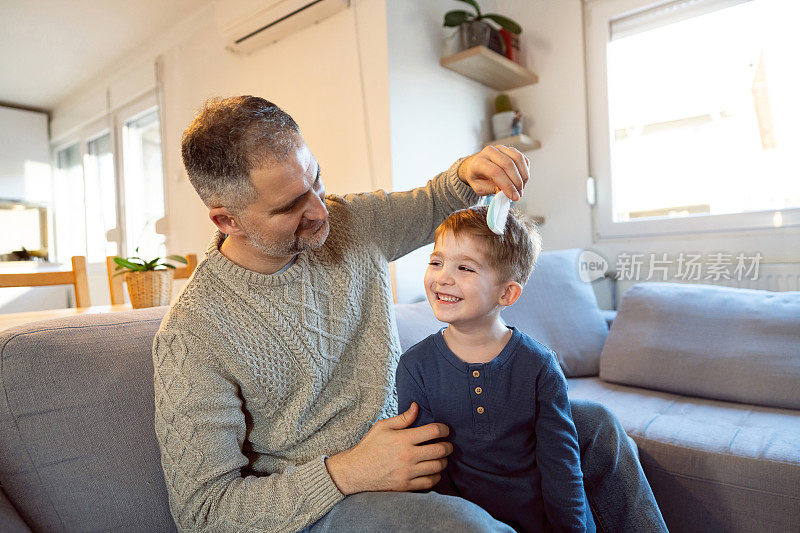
<point x="434" y="263"/>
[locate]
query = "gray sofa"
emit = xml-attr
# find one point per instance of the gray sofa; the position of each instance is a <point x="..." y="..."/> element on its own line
<point x="705" y="380"/>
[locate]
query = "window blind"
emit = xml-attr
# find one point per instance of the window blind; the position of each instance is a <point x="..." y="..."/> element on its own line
<point x="664" y="14"/>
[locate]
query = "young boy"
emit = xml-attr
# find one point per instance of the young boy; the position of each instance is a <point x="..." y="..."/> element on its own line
<point x="501" y="393"/>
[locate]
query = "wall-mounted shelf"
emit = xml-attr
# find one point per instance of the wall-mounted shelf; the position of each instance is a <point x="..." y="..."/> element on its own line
<point x="489" y="68"/>
<point x="521" y="142"/>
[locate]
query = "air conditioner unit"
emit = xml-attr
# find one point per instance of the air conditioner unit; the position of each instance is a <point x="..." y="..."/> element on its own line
<point x="251" y="24"/>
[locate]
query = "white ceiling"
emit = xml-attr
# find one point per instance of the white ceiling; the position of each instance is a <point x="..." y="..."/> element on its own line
<point x="50" y="48"/>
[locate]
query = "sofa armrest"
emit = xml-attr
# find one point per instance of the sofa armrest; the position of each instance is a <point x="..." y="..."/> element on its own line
<point x="10" y="520"/>
<point x="609" y="315"/>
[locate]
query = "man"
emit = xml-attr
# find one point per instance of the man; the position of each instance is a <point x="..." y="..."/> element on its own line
<point x="275" y="407"/>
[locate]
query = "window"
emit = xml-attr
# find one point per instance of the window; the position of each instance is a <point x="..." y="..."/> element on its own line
<point x="101" y="198"/>
<point x="108" y="187"/>
<point x="694" y="119"/>
<point x="69" y="207"/>
<point x="144" y="187"/>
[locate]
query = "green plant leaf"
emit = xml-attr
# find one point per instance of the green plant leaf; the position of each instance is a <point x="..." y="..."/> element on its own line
<point x="505" y="23"/>
<point x="151" y="265"/>
<point x="474" y="4"/>
<point x="455" y="18"/>
<point x="169" y="266"/>
<point x="178" y="258"/>
<point x="124" y="263"/>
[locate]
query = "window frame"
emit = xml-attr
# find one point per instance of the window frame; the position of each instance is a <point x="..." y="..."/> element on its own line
<point x="76" y="138"/>
<point x="127" y="113"/>
<point x="598" y="15"/>
<point x="112" y="123"/>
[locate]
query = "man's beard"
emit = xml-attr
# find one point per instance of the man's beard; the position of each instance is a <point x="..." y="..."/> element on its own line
<point x="289" y="248"/>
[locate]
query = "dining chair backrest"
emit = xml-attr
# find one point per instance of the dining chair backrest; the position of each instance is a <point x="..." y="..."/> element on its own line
<point x="75" y="277"/>
<point x="115" y="283"/>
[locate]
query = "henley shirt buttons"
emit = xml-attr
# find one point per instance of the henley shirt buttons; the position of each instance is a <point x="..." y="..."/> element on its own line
<point x="475" y="374"/>
<point x="478" y="390"/>
<point x="480" y="410"/>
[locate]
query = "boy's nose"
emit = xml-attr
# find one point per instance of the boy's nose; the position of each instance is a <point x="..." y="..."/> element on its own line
<point x="444" y="278"/>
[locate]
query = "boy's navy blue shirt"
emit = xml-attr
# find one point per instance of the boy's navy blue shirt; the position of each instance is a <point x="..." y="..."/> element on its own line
<point x="515" y="448"/>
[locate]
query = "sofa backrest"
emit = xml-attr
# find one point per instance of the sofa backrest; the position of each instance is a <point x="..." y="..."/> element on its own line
<point x="556" y="308"/>
<point x="78" y="449"/>
<point x="717" y="342"/>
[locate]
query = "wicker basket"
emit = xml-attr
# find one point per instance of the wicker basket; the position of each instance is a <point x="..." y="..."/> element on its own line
<point x="150" y="288"/>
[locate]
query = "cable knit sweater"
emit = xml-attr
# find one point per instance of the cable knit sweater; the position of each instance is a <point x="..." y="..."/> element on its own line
<point x="258" y="378"/>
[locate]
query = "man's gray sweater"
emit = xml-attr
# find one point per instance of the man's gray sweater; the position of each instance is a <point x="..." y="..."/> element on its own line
<point x="258" y="378"/>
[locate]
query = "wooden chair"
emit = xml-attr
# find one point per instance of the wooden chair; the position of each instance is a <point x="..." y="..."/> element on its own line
<point x="115" y="282"/>
<point x="75" y="277"/>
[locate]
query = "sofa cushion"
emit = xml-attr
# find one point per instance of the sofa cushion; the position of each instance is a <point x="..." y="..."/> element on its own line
<point x="712" y="465"/>
<point x="560" y="310"/>
<point x="609" y="315"/>
<point x="704" y="340"/>
<point x="415" y="322"/>
<point x="10" y="520"/>
<point x="556" y="308"/>
<point x="78" y="450"/>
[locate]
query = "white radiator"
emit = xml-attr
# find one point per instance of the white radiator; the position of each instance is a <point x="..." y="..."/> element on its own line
<point x="771" y="277"/>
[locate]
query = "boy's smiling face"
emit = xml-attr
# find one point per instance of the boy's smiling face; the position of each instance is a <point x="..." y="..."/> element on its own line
<point x="462" y="286"/>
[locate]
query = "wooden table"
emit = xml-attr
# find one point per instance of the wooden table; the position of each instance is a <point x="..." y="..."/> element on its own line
<point x="14" y="319"/>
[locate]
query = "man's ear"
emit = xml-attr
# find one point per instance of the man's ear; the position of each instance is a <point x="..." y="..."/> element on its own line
<point x="511" y="293"/>
<point x="227" y="222"/>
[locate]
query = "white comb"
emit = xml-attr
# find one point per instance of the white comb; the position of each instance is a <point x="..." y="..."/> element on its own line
<point x="497" y="214"/>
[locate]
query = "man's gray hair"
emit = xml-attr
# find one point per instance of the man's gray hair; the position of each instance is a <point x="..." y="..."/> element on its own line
<point x="227" y="139"/>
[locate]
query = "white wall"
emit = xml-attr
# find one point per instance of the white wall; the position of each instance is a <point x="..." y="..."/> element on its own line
<point x="314" y="75"/>
<point x="24" y="175"/>
<point x="24" y="155"/>
<point x="436" y="114"/>
<point x="552" y="41"/>
<point x="552" y="47"/>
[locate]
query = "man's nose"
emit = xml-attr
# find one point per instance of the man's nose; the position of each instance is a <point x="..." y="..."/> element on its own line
<point x="317" y="209"/>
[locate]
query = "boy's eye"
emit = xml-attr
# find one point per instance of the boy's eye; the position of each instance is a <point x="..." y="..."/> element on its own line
<point x="468" y="269"/>
<point x="434" y="263"/>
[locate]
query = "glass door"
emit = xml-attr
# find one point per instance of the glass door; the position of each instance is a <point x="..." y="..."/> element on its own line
<point x="69" y="208"/>
<point x="101" y="199"/>
<point x="143" y="180"/>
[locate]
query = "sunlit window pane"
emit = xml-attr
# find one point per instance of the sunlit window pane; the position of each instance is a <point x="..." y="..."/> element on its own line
<point x="705" y="113"/>
<point x="101" y="203"/>
<point x="144" y="189"/>
<point x="69" y="208"/>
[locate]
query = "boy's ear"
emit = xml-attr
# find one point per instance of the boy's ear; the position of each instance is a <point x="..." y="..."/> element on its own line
<point x="511" y="293"/>
<point x="225" y="220"/>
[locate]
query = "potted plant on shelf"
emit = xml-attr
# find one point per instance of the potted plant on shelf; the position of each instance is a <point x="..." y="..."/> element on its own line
<point x="149" y="282"/>
<point x="506" y="121"/>
<point x="475" y="31"/>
